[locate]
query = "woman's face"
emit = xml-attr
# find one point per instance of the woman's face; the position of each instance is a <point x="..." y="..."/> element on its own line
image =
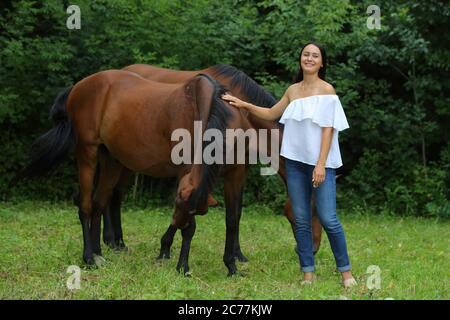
<point x="311" y="59"/>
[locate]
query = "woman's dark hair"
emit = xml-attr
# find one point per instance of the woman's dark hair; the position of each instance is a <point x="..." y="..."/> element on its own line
<point x="322" y="70"/>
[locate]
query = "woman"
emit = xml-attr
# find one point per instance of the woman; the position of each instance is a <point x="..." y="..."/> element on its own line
<point x="313" y="116"/>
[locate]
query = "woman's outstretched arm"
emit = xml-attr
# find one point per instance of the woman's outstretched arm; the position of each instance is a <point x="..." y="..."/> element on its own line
<point x="264" y="113"/>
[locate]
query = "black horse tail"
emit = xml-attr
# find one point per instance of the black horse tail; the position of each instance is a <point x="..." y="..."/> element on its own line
<point x="217" y="116"/>
<point x="50" y="149"/>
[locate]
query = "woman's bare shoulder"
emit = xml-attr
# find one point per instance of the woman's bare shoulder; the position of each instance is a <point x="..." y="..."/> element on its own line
<point x="294" y="86"/>
<point x="326" y="88"/>
<point x="292" y="89"/>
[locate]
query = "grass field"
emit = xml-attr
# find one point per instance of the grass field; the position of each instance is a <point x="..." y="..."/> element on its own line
<point x="39" y="241"/>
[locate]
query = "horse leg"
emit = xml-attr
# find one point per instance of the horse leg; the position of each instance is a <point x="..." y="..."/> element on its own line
<point x="237" y="250"/>
<point x="115" y="212"/>
<point x="187" y="233"/>
<point x="112" y="222"/>
<point x="115" y="205"/>
<point x="317" y="233"/>
<point x="316" y="226"/>
<point x="166" y="242"/>
<point x="167" y="238"/>
<point x="110" y="171"/>
<point x="86" y="161"/>
<point x="233" y="184"/>
<point x="108" y="229"/>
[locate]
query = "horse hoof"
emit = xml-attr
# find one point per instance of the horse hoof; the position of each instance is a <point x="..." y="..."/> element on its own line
<point x="163" y="256"/>
<point x="112" y="246"/>
<point x="241" y="257"/>
<point x="99" y="260"/>
<point x="120" y="248"/>
<point x="236" y="274"/>
<point x="186" y="271"/>
<point x="116" y="247"/>
<point x="188" y="274"/>
<point x="89" y="261"/>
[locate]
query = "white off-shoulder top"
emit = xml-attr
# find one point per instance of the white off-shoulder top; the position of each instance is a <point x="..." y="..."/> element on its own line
<point x="302" y="137"/>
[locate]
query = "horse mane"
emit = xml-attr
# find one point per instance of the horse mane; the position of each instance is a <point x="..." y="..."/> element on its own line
<point x="218" y="119"/>
<point x="247" y="86"/>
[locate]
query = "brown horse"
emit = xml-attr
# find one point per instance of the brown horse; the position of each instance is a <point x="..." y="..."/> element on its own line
<point x="240" y="85"/>
<point x="117" y="121"/>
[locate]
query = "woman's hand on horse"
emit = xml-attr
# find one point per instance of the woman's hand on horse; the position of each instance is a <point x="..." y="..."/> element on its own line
<point x="236" y="102"/>
<point x="318" y="175"/>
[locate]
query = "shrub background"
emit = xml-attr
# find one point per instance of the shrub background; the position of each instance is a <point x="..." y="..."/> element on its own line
<point x="393" y="83"/>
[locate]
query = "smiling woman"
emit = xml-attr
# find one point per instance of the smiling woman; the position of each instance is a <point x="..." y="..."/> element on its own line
<point x="312" y="58"/>
<point x="312" y="115"/>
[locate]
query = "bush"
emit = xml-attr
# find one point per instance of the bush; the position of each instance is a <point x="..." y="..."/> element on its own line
<point x="425" y="195"/>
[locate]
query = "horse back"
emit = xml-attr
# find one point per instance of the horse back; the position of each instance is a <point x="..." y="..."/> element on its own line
<point x="161" y="74"/>
<point x="130" y="116"/>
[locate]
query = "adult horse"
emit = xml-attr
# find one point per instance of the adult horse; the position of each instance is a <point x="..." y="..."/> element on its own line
<point x="115" y="121"/>
<point x="241" y="86"/>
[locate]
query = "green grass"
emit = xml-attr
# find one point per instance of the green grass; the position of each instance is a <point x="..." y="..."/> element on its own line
<point x="38" y="241"/>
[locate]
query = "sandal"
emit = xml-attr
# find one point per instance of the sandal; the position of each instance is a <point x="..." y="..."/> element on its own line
<point x="308" y="282"/>
<point x="348" y="283"/>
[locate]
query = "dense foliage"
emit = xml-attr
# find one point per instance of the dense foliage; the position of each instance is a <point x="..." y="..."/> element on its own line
<point x="393" y="81"/>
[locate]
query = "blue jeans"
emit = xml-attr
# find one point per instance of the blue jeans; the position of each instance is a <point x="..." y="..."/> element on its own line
<point x="300" y="189"/>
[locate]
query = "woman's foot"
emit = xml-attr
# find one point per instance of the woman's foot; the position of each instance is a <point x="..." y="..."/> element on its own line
<point x="308" y="278"/>
<point x="347" y="279"/>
